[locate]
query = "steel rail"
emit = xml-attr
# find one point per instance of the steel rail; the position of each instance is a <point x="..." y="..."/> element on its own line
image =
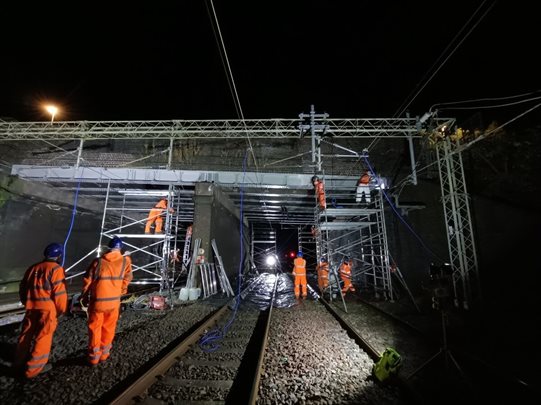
<point x="371" y="351"/>
<point x="254" y="393"/>
<point x="363" y="343"/>
<point x="165" y="363"/>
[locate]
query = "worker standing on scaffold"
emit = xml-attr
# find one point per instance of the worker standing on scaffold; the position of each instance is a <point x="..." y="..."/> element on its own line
<point x="155" y="216"/>
<point x="319" y="188"/>
<point x="345" y="275"/>
<point x="322" y="274"/>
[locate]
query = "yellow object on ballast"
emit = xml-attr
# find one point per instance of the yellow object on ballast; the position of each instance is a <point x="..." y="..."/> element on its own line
<point x="387" y="365"/>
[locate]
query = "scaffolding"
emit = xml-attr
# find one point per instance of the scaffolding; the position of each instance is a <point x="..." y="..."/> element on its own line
<point x="263" y="245"/>
<point x="359" y="233"/>
<point x="155" y="254"/>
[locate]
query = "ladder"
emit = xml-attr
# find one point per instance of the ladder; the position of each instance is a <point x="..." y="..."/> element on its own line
<point x="186" y="252"/>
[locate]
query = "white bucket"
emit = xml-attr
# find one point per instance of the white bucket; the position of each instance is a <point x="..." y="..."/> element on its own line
<point x="184" y="293"/>
<point x="194" y="293"/>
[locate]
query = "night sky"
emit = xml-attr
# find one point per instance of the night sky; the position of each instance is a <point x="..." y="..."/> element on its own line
<point x="160" y="60"/>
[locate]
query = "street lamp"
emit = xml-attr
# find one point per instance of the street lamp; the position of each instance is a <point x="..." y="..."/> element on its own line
<point x="51" y="109"/>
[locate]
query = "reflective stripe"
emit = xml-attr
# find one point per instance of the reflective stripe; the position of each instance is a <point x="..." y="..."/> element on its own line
<point x="96" y="356"/>
<point x="109" y="299"/>
<point x="95" y="349"/>
<point x="123" y="268"/>
<point x="60" y="293"/>
<point x="39" y="287"/>
<point x="39" y="357"/>
<point x="31" y="366"/>
<point x="59" y="281"/>
<point x="108" y="278"/>
<point x="300" y="274"/>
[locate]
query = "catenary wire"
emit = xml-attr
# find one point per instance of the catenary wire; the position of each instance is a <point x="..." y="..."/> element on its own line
<point x="401" y="109"/>
<point x="484" y="99"/>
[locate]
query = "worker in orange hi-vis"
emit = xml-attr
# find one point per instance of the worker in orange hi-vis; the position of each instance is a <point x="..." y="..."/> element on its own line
<point x="319" y="188"/>
<point x="322" y="274"/>
<point x="155" y="216"/>
<point x="363" y="188"/>
<point x="299" y="272"/>
<point x="106" y="280"/>
<point x="345" y="275"/>
<point x="43" y="293"/>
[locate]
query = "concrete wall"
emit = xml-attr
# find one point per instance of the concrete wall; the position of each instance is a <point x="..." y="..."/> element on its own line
<point x="215" y="217"/>
<point x="34" y="217"/>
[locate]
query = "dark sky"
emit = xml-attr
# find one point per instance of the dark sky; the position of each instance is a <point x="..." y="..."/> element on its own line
<point x="156" y="60"/>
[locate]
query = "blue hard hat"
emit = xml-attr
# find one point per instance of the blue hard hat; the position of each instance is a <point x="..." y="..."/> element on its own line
<point x="299" y="254"/>
<point x="53" y="250"/>
<point x="115" y="243"/>
<point x="323" y="259"/>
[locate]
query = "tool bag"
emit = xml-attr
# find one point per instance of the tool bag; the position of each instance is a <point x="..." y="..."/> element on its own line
<point x="387" y="365"/>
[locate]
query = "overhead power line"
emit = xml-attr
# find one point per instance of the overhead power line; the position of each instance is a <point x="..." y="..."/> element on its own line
<point x="420" y="86"/>
<point x="229" y="73"/>
<point x="425" y="80"/>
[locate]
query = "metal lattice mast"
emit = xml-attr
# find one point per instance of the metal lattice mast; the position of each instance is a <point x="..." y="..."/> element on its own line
<point x="456" y="208"/>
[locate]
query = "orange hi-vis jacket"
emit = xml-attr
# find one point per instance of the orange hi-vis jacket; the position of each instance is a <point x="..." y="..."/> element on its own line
<point x="320" y="192"/>
<point x="106" y="280"/>
<point x="43" y="288"/>
<point x="322" y="275"/>
<point x="345" y="271"/>
<point x="299" y="271"/>
<point x="365" y="179"/>
<point x="345" y="275"/>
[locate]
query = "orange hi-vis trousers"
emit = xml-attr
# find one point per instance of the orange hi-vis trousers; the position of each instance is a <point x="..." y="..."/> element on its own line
<point x="101" y="332"/>
<point x="300" y="282"/>
<point x="38" y="329"/>
<point x="154" y="217"/>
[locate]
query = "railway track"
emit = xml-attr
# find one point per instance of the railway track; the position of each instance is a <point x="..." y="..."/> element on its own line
<point x="313" y="352"/>
<point x="252" y="355"/>
<point x="223" y="371"/>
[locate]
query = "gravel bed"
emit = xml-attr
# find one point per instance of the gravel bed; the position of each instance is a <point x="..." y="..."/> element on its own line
<point x="239" y="333"/>
<point x="311" y="360"/>
<point x="140" y="336"/>
<point x="382" y="332"/>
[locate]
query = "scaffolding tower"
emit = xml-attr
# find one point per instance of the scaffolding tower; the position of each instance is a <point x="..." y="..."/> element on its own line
<point x="125" y="215"/>
<point x="358" y="232"/>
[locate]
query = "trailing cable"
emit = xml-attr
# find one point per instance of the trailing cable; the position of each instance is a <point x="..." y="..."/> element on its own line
<point x="73" y="212"/>
<point x="209" y="342"/>
<point x="395" y="211"/>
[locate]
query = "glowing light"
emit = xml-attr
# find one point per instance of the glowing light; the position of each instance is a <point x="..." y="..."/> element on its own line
<point x="271" y="260"/>
<point x="53" y="110"/>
